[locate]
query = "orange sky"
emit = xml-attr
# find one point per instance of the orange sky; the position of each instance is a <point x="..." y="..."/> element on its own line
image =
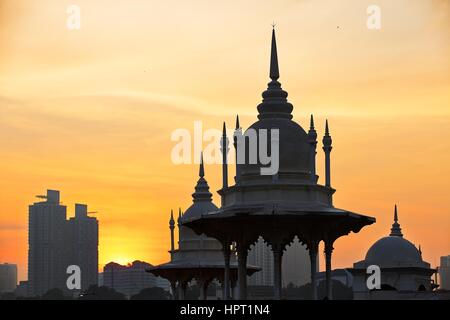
<point x="90" y="112"/>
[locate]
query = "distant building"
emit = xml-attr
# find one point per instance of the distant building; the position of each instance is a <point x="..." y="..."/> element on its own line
<point x="341" y="275"/>
<point x="100" y="279"/>
<point x="8" y="277"/>
<point x="83" y="235"/>
<point x="295" y="268"/>
<point x="54" y="243"/>
<point x="260" y="254"/>
<point x="132" y="278"/>
<point x="22" y="289"/>
<point x="444" y="273"/>
<point x="47" y="246"/>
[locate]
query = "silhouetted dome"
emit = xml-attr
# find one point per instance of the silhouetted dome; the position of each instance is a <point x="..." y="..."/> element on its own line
<point x="199" y="208"/>
<point x="201" y="204"/>
<point x="293" y="147"/>
<point x="275" y="112"/>
<point x="393" y="251"/>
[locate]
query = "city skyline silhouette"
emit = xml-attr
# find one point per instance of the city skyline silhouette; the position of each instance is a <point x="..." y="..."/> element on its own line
<point x="108" y="144"/>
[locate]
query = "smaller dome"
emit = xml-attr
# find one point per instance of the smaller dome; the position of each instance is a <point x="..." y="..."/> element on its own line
<point x="201" y="204"/>
<point x="393" y="251"/>
<point x="201" y="198"/>
<point x="199" y="208"/>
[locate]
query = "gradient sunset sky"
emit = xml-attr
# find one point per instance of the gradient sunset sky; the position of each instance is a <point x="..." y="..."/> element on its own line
<point x="90" y="112"/>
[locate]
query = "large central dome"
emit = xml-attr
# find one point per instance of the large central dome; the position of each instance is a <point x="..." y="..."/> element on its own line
<point x="293" y="147"/>
<point x="275" y="113"/>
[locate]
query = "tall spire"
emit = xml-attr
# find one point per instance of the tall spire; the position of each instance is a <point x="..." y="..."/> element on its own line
<point x="237" y="122"/>
<point x="179" y="222"/>
<point x="327" y="142"/>
<point x="171" y="221"/>
<point x="201" y="170"/>
<point x="274" y="104"/>
<point x="396" y="231"/>
<point x="311" y="123"/>
<point x="274" y="70"/>
<point x="172" y="236"/>
<point x="224" y="149"/>
<point x="201" y="189"/>
<point x="312" y="139"/>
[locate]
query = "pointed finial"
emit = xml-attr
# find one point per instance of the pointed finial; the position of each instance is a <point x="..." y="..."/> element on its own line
<point x="179" y="213"/>
<point x="327" y="131"/>
<point x="171" y="221"/>
<point x="201" y="171"/>
<point x="311" y="123"/>
<point x="312" y="134"/>
<point x="224" y="129"/>
<point x="274" y="71"/>
<point x="274" y="104"/>
<point x="396" y="230"/>
<point x="237" y="122"/>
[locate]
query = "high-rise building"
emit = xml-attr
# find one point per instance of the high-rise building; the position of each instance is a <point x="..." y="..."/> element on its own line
<point x="295" y="267"/>
<point x="47" y="245"/>
<point x="8" y="277"/>
<point x="260" y="254"/>
<point x="56" y="243"/>
<point x="132" y="278"/>
<point x="83" y="235"/>
<point x="444" y="273"/>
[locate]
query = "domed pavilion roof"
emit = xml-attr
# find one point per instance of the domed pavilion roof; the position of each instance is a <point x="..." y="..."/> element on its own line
<point x="394" y="250"/>
<point x="275" y="113"/>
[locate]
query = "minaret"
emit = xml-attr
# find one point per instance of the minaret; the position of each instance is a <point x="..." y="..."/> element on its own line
<point x="327" y="149"/>
<point x="312" y="138"/>
<point x="224" y="148"/>
<point x="179" y="219"/>
<point x="238" y="139"/>
<point x="172" y="235"/>
<point x="396" y="231"/>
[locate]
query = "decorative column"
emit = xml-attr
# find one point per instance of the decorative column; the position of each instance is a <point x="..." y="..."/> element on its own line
<point x="233" y="289"/>
<point x="182" y="289"/>
<point x="277" y="250"/>
<point x="226" y="276"/>
<point x="327" y="149"/>
<point x="224" y="149"/>
<point x="238" y="147"/>
<point x="242" y="253"/>
<point x="203" y="289"/>
<point x="313" y="248"/>
<point x="328" y="278"/>
<point x="172" y="235"/>
<point x="173" y="287"/>
<point x="312" y="139"/>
